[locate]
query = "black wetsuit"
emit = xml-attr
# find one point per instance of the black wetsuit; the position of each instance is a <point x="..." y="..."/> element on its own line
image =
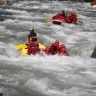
<point x="63" y="14"/>
<point x="32" y="35"/>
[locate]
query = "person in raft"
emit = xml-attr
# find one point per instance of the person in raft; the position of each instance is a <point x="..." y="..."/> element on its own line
<point x="59" y="15"/>
<point x="34" y="48"/>
<point x="54" y="46"/>
<point x="62" y="50"/>
<point x="93" y="2"/>
<point x="73" y="18"/>
<point x="32" y="37"/>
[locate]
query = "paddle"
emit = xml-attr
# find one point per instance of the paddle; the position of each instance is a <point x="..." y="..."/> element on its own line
<point x="88" y="4"/>
<point x="47" y="20"/>
<point x="79" y="22"/>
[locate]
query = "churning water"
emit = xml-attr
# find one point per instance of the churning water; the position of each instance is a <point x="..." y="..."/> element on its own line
<point x="49" y="75"/>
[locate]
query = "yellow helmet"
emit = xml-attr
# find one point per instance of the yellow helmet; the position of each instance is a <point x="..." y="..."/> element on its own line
<point x="32" y="29"/>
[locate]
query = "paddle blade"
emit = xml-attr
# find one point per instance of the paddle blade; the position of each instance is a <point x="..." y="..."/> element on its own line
<point x="24" y="52"/>
<point x="20" y="46"/>
<point x="47" y="20"/>
<point x="79" y="22"/>
<point x="88" y="4"/>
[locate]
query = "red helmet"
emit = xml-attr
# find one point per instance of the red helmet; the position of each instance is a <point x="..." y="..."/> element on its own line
<point x="30" y="39"/>
<point x="62" y="49"/>
<point x="57" y="41"/>
<point x="32" y="29"/>
<point x="58" y="13"/>
<point x="72" y="13"/>
<point x="63" y="45"/>
<point x="47" y="48"/>
<point x="36" y="43"/>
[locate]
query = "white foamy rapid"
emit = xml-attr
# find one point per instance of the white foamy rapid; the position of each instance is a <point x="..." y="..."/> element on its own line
<point x="48" y="75"/>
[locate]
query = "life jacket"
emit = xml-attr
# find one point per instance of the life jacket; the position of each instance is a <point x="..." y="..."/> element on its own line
<point x="53" y="48"/>
<point x="67" y="19"/>
<point x="35" y="45"/>
<point x="64" y="52"/>
<point x="93" y="2"/>
<point x="58" y="16"/>
<point x="35" y="50"/>
<point x="47" y="51"/>
<point x="73" y="19"/>
<point x="54" y="17"/>
<point x="30" y="39"/>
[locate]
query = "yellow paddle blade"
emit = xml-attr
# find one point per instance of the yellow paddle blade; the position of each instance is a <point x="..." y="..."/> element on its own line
<point x="41" y="46"/>
<point x="47" y="20"/>
<point x="79" y="22"/>
<point x="20" y="46"/>
<point x="24" y="52"/>
<point x="88" y="4"/>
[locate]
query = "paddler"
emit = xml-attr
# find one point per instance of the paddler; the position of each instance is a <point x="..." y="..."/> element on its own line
<point x="32" y="37"/>
<point x="59" y="15"/>
<point x="62" y="50"/>
<point x="93" y="2"/>
<point x="34" y="49"/>
<point x="63" y="14"/>
<point x="54" y="46"/>
<point x="73" y="18"/>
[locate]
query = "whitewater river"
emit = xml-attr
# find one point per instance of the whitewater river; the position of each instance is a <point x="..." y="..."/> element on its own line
<point x="49" y="75"/>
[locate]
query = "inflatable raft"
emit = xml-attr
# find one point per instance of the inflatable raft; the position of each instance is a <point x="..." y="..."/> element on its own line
<point x="58" y="21"/>
<point x="23" y="48"/>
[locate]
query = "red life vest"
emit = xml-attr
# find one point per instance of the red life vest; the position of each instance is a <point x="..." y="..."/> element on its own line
<point x="30" y="39"/>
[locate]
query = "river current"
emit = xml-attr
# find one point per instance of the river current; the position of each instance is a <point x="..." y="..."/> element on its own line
<point x="48" y="75"/>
